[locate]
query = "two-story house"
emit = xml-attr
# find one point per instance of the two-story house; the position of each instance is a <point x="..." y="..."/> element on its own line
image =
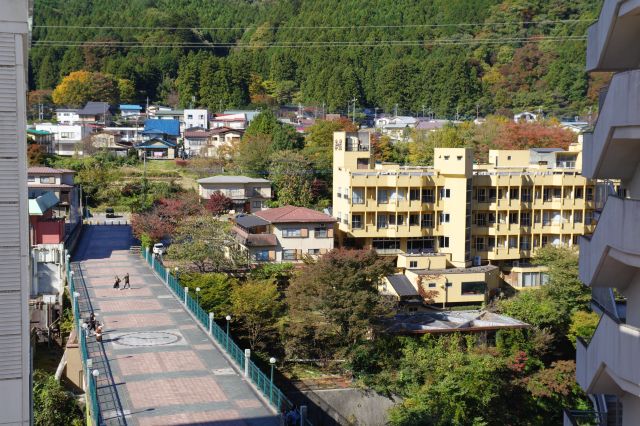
<point x="222" y="137"/>
<point x="284" y="234"/>
<point x="248" y="194"/>
<point x="60" y="182"/>
<point x="67" y="138"/>
<point x="196" y="118"/>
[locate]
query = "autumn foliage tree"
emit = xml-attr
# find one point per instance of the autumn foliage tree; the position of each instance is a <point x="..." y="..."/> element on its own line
<point x="79" y="87"/>
<point x="219" y="203"/>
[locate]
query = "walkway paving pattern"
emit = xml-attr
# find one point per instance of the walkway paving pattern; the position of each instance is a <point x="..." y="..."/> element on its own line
<point x="165" y="369"/>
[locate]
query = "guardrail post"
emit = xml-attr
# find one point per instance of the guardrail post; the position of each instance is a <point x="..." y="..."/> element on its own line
<point x="211" y="318"/>
<point x="166" y="278"/>
<point x="153" y="261"/>
<point x="303" y="414"/>
<point x="186" y="293"/>
<point x="247" y="360"/>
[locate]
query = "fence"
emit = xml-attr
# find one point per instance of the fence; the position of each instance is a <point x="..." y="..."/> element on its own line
<point x="262" y="382"/>
<point x="91" y="393"/>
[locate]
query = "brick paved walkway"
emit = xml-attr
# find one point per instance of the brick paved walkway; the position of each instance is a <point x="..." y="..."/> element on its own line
<point x="165" y="369"/>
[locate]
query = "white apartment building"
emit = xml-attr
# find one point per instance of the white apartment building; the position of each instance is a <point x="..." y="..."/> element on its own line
<point x="67" y="116"/>
<point x="607" y="366"/>
<point x="15" y="359"/>
<point x="196" y="118"/>
<point x="67" y="137"/>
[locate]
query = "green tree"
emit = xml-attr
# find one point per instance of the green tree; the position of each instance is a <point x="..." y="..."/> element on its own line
<point x="291" y="174"/>
<point x="334" y="303"/>
<point x="583" y="324"/>
<point x="252" y="156"/>
<point x="52" y="404"/>
<point x="206" y="244"/>
<point x="257" y="305"/>
<point x="215" y="290"/>
<point x="126" y="90"/>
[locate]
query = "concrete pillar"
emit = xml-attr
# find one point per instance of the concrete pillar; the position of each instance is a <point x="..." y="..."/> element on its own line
<point x="247" y="359"/>
<point x="166" y="276"/>
<point x="186" y="293"/>
<point x="211" y="318"/>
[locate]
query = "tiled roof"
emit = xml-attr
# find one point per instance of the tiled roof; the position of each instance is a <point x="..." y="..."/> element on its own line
<point x="438" y="321"/>
<point x="196" y="134"/>
<point x="48" y="170"/>
<point x="94" y="108"/>
<point x="225" y="129"/>
<point x="231" y="179"/>
<point x="292" y="214"/>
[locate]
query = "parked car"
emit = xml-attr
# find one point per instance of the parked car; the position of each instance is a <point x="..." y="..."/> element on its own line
<point x="110" y="212"/>
<point x="159" y="248"/>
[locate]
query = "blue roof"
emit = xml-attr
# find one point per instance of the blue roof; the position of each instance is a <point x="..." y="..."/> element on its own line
<point x="131" y="107"/>
<point x="151" y="142"/>
<point x="167" y="127"/>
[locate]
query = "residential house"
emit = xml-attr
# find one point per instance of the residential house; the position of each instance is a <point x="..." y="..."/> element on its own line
<point x="110" y="141"/>
<point x="157" y="149"/>
<point x="236" y="121"/>
<point x="131" y="134"/>
<point x="130" y="111"/>
<point x="45" y="226"/>
<point x="196" y="118"/>
<point x="68" y="138"/>
<point x="42" y="180"/>
<point x="397" y="128"/>
<point x="43" y="138"/>
<point x="67" y="116"/>
<point x="526" y="117"/>
<point x="248" y="194"/>
<point x="285" y="234"/>
<point x="221" y="137"/>
<point x="607" y="367"/>
<point x="165" y="129"/>
<point x="95" y="112"/>
<point x="196" y="141"/>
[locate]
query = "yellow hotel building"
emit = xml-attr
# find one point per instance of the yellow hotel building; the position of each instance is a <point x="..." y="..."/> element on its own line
<point x="459" y="215"/>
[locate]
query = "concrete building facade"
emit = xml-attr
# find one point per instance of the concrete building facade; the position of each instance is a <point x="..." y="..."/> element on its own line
<point x="607" y="366"/>
<point x="15" y="359"/>
<point x="497" y="213"/>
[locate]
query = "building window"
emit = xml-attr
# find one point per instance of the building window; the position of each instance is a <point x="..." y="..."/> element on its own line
<point x="420" y="245"/>
<point x="473" y="288"/>
<point x="190" y="117"/>
<point x="292" y="233"/>
<point x="443" y="242"/>
<point x="289" y="254"/>
<point x="386" y="244"/>
<point x="589" y="194"/>
<point x="427" y="195"/>
<point x="427" y="220"/>
<point x="66" y="135"/>
<point x="400" y="219"/>
<point x="432" y="285"/>
<point x="414" y="194"/>
<point x="513" y="218"/>
<point x="413" y="264"/>
<point x="31" y="179"/>
<point x="525" y="195"/>
<point x="46" y="179"/>
<point x="444" y="217"/>
<point x="356" y="221"/>
<point x="481" y="195"/>
<point x="525" y="219"/>
<point x="314" y="252"/>
<point x="445" y="193"/>
<point x="261" y="255"/>
<point x="481" y="219"/>
<point x="525" y="243"/>
<point x="480" y="243"/>
<point x="357" y="196"/>
<point x="382" y="221"/>
<point x="577" y="217"/>
<point x="321" y="233"/>
<point x="256" y="204"/>
<point x="392" y="219"/>
<point x="513" y="242"/>
<point x="588" y="218"/>
<point x="579" y="194"/>
<point x="383" y="196"/>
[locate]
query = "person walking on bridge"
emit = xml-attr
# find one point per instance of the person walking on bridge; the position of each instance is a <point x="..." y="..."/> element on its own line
<point x="126" y="282"/>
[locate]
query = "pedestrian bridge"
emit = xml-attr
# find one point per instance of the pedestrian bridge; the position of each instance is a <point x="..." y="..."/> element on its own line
<point x="161" y="360"/>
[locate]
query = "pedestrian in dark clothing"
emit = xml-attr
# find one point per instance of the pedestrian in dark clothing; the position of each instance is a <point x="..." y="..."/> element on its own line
<point x="126" y="282"/>
<point x="116" y="284"/>
<point x="92" y="321"/>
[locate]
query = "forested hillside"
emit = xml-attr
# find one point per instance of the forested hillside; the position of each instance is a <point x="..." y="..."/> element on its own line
<point x="443" y="56"/>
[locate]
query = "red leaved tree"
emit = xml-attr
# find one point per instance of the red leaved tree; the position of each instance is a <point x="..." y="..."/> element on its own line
<point x="219" y="203"/>
<point x="533" y="135"/>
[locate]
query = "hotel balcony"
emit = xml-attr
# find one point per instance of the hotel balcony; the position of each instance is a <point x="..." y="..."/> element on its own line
<point x="613" y="41"/>
<point x="611" y="256"/>
<point x="612" y="150"/>
<point x="608" y="363"/>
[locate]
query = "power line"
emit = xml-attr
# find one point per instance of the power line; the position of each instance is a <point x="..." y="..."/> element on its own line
<point x="300" y="44"/>
<point x="318" y="27"/>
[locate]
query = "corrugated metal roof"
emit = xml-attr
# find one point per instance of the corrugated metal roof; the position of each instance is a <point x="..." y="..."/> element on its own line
<point x="94" y="108"/>
<point x="231" y="179"/>
<point x="39" y="206"/>
<point x="168" y="127"/>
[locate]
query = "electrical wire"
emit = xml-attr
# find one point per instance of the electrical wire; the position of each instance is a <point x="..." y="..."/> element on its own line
<point x="314" y="27"/>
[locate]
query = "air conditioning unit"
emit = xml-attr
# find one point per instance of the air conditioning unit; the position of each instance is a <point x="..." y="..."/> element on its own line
<point x="477" y="261"/>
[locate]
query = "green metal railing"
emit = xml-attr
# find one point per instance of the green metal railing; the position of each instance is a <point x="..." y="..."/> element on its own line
<point x="262" y="382"/>
<point x="91" y="391"/>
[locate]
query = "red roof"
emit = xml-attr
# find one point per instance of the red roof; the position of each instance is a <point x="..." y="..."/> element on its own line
<point x="225" y="129"/>
<point x="48" y="170"/>
<point x="291" y="214"/>
<point x="196" y="134"/>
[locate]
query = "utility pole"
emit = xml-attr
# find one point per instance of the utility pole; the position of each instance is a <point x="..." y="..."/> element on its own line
<point x="354" y="100"/>
<point x="395" y="111"/>
<point x="147" y="109"/>
<point x="422" y="110"/>
<point x="457" y="115"/>
<point x="477" y="111"/>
